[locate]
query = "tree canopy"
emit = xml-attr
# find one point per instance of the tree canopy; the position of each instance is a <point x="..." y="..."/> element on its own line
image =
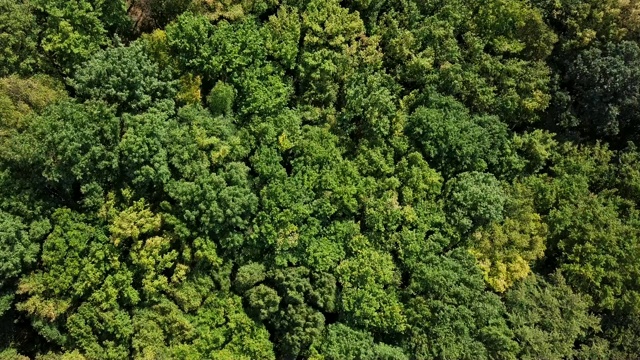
<point x="319" y="179"/>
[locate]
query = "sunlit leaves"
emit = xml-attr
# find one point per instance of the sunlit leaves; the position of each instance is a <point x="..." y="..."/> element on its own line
<point x="368" y="298"/>
<point x="18" y="36"/>
<point x="506" y="250"/>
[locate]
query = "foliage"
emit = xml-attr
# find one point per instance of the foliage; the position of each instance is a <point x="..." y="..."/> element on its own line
<point x="342" y="342"/>
<point x="454" y="142"/>
<point x="505" y="250"/>
<point x="18" y="38"/>
<point x="319" y="179"/>
<point x="603" y="91"/>
<point x="72" y="31"/>
<point x="474" y="199"/>
<point x="20" y="97"/>
<point x="548" y="317"/>
<point x="451" y="316"/>
<point x="124" y="77"/>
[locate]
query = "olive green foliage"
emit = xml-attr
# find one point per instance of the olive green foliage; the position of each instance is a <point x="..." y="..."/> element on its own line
<point x="450" y="314"/>
<point x="342" y="342"/>
<point x="319" y="179"/>
<point x="20" y="97"/>
<point x="548" y="317"/>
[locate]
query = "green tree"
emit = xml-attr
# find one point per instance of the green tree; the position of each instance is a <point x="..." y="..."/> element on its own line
<point x="19" y="246"/>
<point x="449" y="315"/>
<point x="187" y="40"/>
<point x="219" y="328"/>
<point x="368" y="298"/>
<point x="603" y="92"/>
<point x="581" y="23"/>
<point x="333" y="46"/>
<point x="488" y="54"/>
<point x="72" y="31"/>
<point x="596" y="240"/>
<point x="19" y="252"/>
<point x="71" y="151"/>
<point x="473" y="200"/>
<point x="283" y="35"/>
<point x="221" y="98"/>
<point x="453" y="141"/>
<point x="75" y="299"/>
<point x="125" y="77"/>
<point x="548" y="318"/>
<point x="343" y="342"/>
<point x="369" y="107"/>
<point x="505" y="250"/>
<point x="18" y="38"/>
<point x="20" y="97"/>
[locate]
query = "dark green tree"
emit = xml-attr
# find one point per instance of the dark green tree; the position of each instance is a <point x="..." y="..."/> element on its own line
<point x="602" y="87"/>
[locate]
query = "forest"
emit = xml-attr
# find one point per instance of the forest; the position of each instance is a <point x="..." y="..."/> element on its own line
<point x="319" y="179"/>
